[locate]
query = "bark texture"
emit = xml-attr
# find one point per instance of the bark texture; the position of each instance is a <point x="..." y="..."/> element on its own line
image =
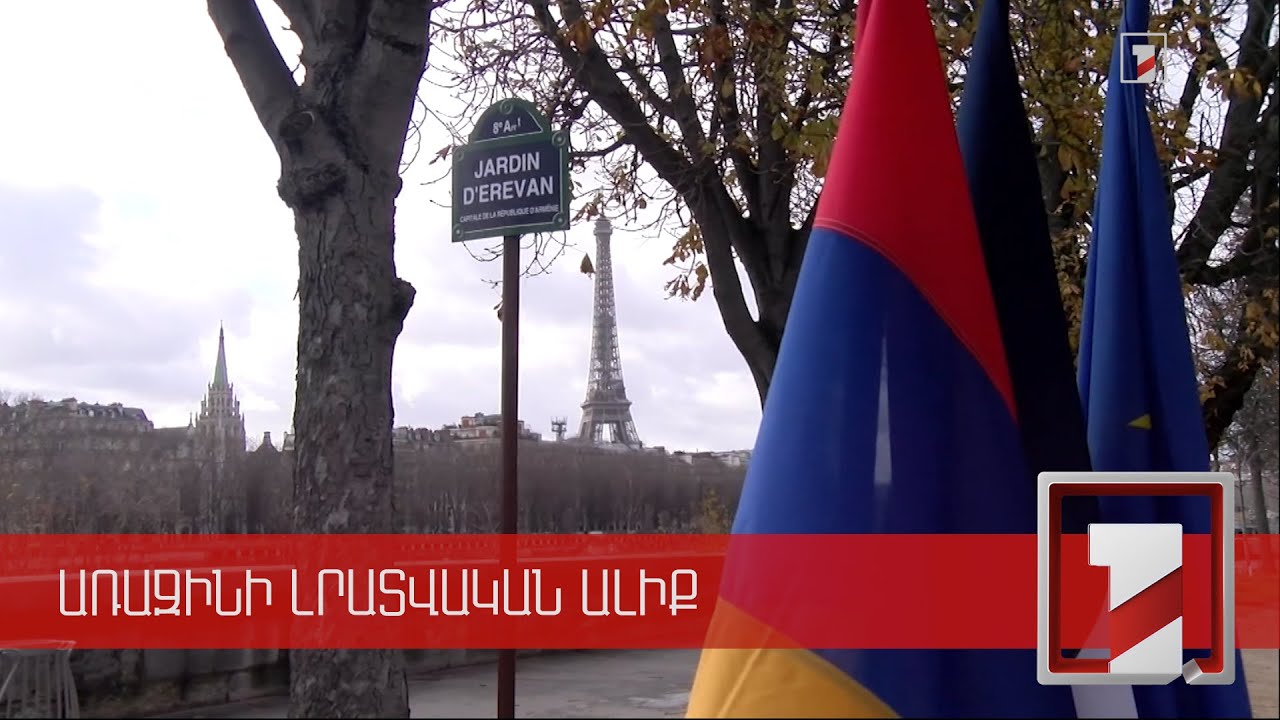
<point x="1258" y="485"/>
<point x="340" y="136"/>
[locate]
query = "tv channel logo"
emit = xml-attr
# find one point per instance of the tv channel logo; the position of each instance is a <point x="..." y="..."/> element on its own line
<point x="1141" y="626"/>
<point x="1144" y="49"/>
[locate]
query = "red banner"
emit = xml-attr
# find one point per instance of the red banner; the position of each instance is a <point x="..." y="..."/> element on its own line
<point x="578" y="591"/>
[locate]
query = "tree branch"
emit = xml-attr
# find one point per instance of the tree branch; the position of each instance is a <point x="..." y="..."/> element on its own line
<point x="301" y="20"/>
<point x="1190" y="177"/>
<point x="678" y="89"/>
<point x="596" y="76"/>
<point x="1209" y="56"/>
<point x="1235" y="375"/>
<point x="761" y="52"/>
<point x="389" y="66"/>
<point x="600" y="152"/>
<point x="837" y="44"/>
<point x="1240" y="131"/>
<point x="264" y="74"/>
<point x="777" y="165"/>
<point x="650" y="95"/>
<point x="725" y="107"/>
<point x="1252" y="251"/>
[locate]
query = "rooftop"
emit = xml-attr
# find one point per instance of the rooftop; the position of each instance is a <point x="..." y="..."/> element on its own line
<point x="70" y="407"/>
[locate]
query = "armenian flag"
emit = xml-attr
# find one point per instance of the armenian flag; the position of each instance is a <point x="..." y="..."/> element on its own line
<point x="891" y="409"/>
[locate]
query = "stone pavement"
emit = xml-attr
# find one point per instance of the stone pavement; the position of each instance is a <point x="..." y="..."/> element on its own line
<point x="1262" y="671"/>
<point x="599" y="684"/>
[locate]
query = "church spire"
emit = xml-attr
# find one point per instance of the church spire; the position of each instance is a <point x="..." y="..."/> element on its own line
<point x="220" y="406"/>
<point x="220" y="369"/>
<point x="218" y="441"/>
<point x="221" y="398"/>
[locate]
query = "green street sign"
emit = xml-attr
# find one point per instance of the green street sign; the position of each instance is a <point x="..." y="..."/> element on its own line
<point x="512" y="176"/>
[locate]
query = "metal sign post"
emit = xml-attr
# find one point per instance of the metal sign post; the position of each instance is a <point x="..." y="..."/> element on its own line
<point x="510" y="443"/>
<point x="511" y="178"/>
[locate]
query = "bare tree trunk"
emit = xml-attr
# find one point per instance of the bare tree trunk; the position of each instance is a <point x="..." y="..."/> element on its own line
<point x="1261" y="523"/>
<point x="349" y="317"/>
<point x="340" y="137"/>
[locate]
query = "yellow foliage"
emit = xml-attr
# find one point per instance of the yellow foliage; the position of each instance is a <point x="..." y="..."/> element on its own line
<point x="713" y="517"/>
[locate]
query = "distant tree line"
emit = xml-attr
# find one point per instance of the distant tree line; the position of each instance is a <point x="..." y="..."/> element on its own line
<point x="77" y="487"/>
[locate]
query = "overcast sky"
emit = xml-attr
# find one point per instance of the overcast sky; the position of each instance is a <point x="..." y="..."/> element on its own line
<point x="138" y="211"/>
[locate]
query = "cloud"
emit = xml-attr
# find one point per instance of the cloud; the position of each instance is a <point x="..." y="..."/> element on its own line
<point x="138" y="212"/>
<point x="65" y="330"/>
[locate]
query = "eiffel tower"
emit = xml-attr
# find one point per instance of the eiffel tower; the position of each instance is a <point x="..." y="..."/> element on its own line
<point x="606" y="413"/>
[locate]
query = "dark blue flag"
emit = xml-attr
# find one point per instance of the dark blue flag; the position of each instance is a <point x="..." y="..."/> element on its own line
<point x="1000" y="162"/>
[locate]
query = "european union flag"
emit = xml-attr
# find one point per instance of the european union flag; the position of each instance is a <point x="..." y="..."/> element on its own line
<point x="1137" y="376"/>
<point x="891" y="408"/>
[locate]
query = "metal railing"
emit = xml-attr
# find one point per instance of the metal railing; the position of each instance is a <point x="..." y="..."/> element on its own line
<point x="36" y="680"/>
